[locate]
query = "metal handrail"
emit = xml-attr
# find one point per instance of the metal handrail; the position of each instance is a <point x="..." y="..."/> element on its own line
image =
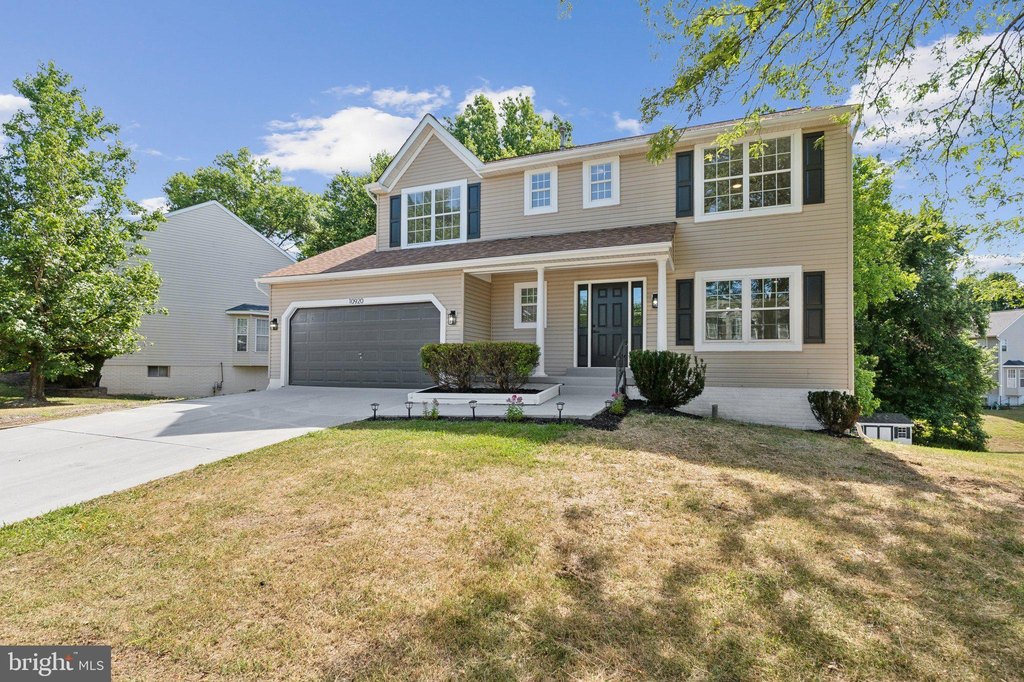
<point x="621" y="360"/>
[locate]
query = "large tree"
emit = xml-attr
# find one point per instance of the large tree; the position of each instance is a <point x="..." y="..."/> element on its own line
<point x="928" y="366"/>
<point x="943" y="81"/>
<point x="349" y="213"/>
<point x="517" y="131"/>
<point x="252" y="189"/>
<point x="71" y="284"/>
<point x="997" y="290"/>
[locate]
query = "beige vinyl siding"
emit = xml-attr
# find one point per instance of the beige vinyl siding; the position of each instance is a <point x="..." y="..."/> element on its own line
<point x="208" y="262"/>
<point x="434" y="164"/>
<point x="477" y="311"/>
<point x="446" y="286"/>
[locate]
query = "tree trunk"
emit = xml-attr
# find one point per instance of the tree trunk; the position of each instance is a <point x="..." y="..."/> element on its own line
<point x="36" y="383"/>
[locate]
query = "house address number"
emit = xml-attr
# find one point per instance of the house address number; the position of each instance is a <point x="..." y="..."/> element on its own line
<point x="355" y="301"/>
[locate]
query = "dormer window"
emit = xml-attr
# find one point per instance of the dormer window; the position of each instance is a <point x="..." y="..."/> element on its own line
<point x="601" y="182"/>
<point x="540" y="191"/>
<point x="434" y="214"/>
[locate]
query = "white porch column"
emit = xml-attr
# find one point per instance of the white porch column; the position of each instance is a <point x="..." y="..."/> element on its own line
<point x="542" y="316"/>
<point x="662" y="303"/>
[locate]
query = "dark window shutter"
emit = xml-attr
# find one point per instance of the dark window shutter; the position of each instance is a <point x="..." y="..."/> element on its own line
<point x="396" y="221"/>
<point x="684" y="184"/>
<point x="814" y="169"/>
<point x="684" y="312"/>
<point x="473" y="212"/>
<point x="814" y="307"/>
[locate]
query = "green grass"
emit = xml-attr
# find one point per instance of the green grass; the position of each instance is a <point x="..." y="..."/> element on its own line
<point x="670" y="549"/>
<point x="13" y="411"/>
<point x="1005" y="429"/>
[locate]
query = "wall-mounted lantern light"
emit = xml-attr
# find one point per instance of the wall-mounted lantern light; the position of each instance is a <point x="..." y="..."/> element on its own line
<point x="273" y="324"/>
<point x="452" y="318"/>
<point x="654" y="301"/>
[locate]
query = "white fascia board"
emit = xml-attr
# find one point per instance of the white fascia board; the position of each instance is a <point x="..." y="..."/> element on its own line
<point x="482" y="264"/>
<point x="214" y="202"/>
<point x="387" y="182"/>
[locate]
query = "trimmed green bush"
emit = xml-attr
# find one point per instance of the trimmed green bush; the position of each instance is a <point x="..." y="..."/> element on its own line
<point x="666" y="379"/>
<point x="836" y="411"/>
<point x="506" y="365"/>
<point x="450" y="365"/>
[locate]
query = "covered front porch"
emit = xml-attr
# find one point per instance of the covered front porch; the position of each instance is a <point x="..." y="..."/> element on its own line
<point x="580" y="312"/>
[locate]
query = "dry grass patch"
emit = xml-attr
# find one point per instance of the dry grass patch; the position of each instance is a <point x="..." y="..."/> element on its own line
<point x="13" y="411"/>
<point x="670" y="549"/>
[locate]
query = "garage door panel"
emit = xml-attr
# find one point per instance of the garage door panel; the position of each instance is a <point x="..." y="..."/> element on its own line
<point x="362" y="345"/>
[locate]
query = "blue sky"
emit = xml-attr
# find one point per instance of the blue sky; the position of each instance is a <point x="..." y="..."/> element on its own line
<point x="319" y="86"/>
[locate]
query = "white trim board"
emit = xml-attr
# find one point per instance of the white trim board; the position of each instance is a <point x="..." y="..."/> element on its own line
<point x="796" y="310"/>
<point x="284" y="328"/>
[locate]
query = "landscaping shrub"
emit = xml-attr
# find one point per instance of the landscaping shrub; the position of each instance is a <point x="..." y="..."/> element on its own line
<point x="450" y="365"/>
<point x="836" y="411"/>
<point x="514" y="412"/>
<point x="666" y="379"/>
<point x="506" y="365"/>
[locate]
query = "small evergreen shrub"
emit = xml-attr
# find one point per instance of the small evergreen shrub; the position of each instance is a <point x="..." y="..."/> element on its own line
<point x="506" y="365"/>
<point x="450" y="365"/>
<point x="666" y="379"/>
<point x="836" y="411"/>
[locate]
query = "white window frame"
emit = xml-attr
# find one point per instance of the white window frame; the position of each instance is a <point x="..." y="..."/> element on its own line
<point x="240" y="334"/>
<point x="1011" y="378"/>
<point x="796" y="184"/>
<point x="463" y="186"/>
<point x="257" y="335"/>
<point x="796" y="310"/>
<point x="528" y="208"/>
<point x="597" y="203"/>
<point x="517" y="322"/>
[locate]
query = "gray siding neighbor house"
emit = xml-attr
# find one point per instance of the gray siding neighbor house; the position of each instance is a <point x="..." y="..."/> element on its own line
<point x="1005" y="335"/>
<point x="215" y="337"/>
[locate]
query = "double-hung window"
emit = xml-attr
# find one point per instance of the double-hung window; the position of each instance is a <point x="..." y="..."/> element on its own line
<point x="1011" y="379"/>
<point x="434" y="214"/>
<point x="752" y="177"/>
<point x="601" y="182"/>
<point x="749" y="309"/>
<point x="262" y="334"/>
<point x="540" y="191"/>
<point x="526" y="305"/>
<point x="241" y="334"/>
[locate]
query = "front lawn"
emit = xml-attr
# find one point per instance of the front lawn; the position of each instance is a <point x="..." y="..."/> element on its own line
<point x="672" y="548"/>
<point x="14" y="413"/>
<point x="1005" y="429"/>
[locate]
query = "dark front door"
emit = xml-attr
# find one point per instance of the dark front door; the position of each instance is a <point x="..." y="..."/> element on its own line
<point x="609" y="322"/>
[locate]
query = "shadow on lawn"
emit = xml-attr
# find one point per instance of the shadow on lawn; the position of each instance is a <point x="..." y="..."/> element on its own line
<point x="920" y="582"/>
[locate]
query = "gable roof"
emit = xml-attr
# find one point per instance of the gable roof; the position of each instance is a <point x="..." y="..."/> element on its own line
<point x="214" y="203"/>
<point x="362" y="256"/>
<point x="427" y="127"/>
<point x="886" y="418"/>
<point x="1000" y="320"/>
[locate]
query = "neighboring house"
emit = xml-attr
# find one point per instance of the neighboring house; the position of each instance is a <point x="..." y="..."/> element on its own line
<point x="887" y="426"/>
<point x="215" y="336"/>
<point x="744" y="261"/>
<point x="1005" y="334"/>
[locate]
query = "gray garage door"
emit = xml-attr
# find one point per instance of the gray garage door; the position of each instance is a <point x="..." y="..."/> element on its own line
<point x="366" y="346"/>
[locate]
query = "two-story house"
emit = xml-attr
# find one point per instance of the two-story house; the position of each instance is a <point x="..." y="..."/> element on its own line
<point x="215" y="337"/>
<point x="744" y="259"/>
<point x="1005" y="336"/>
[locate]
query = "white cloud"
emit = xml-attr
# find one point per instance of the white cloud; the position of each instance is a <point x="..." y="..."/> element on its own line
<point x="345" y="139"/>
<point x="343" y="90"/>
<point x="419" y="102"/>
<point x="991" y="262"/>
<point x="154" y="204"/>
<point x="8" y="105"/>
<point x="900" y="83"/>
<point x="629" y="125"/>
<point x="495" y="96"/>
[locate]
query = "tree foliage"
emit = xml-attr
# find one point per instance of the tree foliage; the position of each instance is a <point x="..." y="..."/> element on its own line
<point x="997" y="290"/>
<point x="954" y="107"/>
<point x="349" y="213"/>
<point x="253" y="190"/>
<point x="928" y="366"/>
<point x="71" y="284"/>
<point x="519" y="130"/>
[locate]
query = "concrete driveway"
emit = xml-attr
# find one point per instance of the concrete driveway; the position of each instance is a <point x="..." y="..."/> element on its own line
<point x="53" y="464"/>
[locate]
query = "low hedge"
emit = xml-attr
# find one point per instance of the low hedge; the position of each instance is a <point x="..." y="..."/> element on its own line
<point x="666" y="379"/>
<point x="504" y="365"/>
<point x="834" y="410"/>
